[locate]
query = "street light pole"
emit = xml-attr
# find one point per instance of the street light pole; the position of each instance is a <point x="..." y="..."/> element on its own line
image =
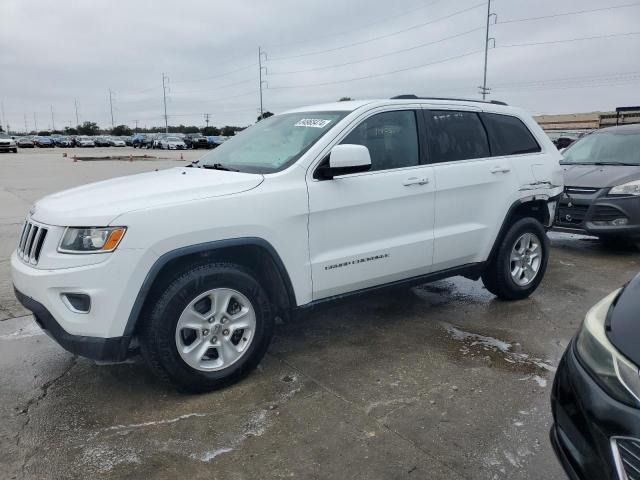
<point x="164" y="99"/>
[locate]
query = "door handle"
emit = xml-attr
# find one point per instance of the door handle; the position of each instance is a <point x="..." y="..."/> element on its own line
<point x="500" y="169"/>
<point x="415" y="181"/>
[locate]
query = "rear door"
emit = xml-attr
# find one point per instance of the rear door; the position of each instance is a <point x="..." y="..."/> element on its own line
<point x="473" y="190"/>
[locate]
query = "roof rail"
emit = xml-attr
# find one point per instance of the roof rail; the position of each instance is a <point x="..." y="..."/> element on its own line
<point x="415" y="97"/>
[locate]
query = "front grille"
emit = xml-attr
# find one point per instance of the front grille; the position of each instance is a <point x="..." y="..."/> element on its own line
<point x="580" y="190"/>
<point x="627" y="454"/>
<point x="604" y="213"/>
<point x="31" y="241"/>
<point x="573" y="215"/>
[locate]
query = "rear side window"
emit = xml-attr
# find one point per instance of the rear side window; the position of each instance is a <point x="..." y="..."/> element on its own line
<point x="455" y="136"/>
<point x="508" y="135"/>
<point x="391" y="137"/>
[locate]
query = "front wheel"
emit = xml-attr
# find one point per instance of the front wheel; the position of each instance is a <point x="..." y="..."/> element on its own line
<point x="208" y="329"/>
<point x="520" y="262"/>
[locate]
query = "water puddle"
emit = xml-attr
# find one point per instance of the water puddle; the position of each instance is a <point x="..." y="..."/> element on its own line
<point x="496" y="352"/>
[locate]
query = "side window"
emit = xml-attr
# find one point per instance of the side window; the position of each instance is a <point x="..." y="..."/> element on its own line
<point x="455" y="136"/>
<point x="508" y="135"/>
<point x="391" y="137"/>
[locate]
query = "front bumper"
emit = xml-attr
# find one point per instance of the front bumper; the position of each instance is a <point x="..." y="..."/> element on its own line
<point x="583" y="212"/>
<point x="585" y="420"/>
<point x="114" y="349"/>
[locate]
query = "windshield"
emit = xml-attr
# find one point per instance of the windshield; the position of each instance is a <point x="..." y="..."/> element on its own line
<point x="273" y="144"/>
<point x="605" y="147"/>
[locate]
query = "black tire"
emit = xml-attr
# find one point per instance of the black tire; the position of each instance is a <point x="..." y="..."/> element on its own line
<point x="15" y="150"/>
<point x="157" y="335"/>
<point x="497" y="276"/>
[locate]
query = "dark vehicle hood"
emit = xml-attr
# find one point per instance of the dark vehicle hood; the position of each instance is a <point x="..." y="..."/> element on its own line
<point x="599" y="176"/>
<point x="623" y="321"/>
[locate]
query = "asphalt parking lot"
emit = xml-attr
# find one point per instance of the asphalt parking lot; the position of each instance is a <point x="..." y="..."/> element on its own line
<point x="441" y="381"/>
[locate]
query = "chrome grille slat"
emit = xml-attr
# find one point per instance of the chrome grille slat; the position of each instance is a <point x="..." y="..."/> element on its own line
<point x="626" y="452"/>
<point x="31" y="241"/>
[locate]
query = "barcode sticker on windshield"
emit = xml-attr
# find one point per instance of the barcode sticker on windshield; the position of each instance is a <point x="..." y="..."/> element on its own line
<point x="313" y="122"/>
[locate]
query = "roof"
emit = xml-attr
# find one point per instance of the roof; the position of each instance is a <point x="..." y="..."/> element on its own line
<point x="632" y="128"/>
<point x="352" y="105"/>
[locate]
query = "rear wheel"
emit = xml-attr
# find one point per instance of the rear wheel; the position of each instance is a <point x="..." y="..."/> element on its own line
<point x="520" y="261"/>
<point x="208" y="329"/>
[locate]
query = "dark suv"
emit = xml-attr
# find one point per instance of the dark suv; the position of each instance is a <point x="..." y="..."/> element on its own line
<point x="195" y="140"/>
<point x="602" y="178"/>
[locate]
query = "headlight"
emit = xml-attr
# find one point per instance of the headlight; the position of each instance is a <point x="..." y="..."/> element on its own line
<point x="613" y="372"/>
<point x="631" y="188"/>
<point x="91" y="240"/>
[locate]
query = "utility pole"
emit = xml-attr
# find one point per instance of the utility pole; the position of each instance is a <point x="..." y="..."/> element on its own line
<point x="26" y="128"/>
<point x="206" y="119"/>
<point x="4" y="117"/>
<point x="262" y="82"/>
<point x="136" y="130"/>
<point x="75" y="101"/>
<point x="165" y="80"/>
<point x="483" y="89"/>
<point x="111" y="107"/>
<point x="35" y="121"/>
<point x="53" y="123"/>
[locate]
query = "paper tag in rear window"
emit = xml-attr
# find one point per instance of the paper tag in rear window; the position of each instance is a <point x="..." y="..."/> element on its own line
<point x="313" y="122"/>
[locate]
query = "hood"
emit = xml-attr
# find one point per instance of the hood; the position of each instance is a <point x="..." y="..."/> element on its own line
<point x="599" y="176"/>
<point x="98" y="204"/>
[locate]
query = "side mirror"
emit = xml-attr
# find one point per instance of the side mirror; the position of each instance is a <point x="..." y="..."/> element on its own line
<point x="345" y="159"/>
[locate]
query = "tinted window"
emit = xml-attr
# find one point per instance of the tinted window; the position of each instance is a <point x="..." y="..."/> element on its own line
<point x="456" y="136"/>
<point x="391" y="137"/>
<point x="508" y="135"/>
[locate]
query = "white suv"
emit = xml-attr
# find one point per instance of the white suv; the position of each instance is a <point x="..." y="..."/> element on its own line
<point x="194" y="264"/>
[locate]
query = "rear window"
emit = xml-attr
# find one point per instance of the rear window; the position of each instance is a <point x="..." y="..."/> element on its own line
<point x="455" y="135"/>
<point x="508" y="135"/>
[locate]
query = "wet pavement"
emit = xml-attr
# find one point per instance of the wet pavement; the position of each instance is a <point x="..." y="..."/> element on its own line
<point x="441" y="381"/>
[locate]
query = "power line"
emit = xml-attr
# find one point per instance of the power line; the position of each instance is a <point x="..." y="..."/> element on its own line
<point x="376" y="57"/>
<point x="564" y="14"/>
<point x="247" y="67"/>
<point x="578" y="39"/>
<point x="229" y="85"/>
<point x="362" y="27"/>
<point x="378" y="74"/>
<point x="380" y="37"/>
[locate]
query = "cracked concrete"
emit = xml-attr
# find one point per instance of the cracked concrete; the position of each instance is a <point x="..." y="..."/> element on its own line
<point x="375" y="388"/>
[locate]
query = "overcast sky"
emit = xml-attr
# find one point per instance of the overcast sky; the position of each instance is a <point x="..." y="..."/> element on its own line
<point x="54" y="52"/>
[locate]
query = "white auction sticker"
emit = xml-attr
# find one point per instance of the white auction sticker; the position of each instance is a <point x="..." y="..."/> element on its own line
<point x="313" y="122"/>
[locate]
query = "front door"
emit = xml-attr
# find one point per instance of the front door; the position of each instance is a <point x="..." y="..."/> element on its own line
<point x="376" y="227"/>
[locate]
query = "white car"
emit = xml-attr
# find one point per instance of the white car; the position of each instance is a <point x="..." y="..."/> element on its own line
<point x="7" y="144"/>
<point x="194" y="264"/>
<point x="85" y="142"/>
<point x="117" y="142"/>
<point x="172" y="143"/>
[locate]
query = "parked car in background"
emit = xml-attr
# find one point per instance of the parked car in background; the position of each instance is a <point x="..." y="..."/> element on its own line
<point x="102" y="141"/>
<point x="196" y="140"/>
<point x="7" y="143"/>
<point x="216" y="140"/>
<point x="137" y="141"/>
<point x="84" y="141"/>
<point x="43" y="142"/>
<point x="25" y="142"/>
<point x="602" y="178"/>
<point x="564" y="142"/>
<point x="194" y="264"/>
<point x="116" y="142"/>
<point x="172" y="143"/>
<point x="63" y="142"/>
<point x="596" y="392"/>
<point x="148" y="141"/>
<point x="128" y="140"/>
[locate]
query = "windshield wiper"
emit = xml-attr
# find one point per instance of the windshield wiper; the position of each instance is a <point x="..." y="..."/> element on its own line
<point x="617" y="163"/>
<point x="218" y="166"/>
